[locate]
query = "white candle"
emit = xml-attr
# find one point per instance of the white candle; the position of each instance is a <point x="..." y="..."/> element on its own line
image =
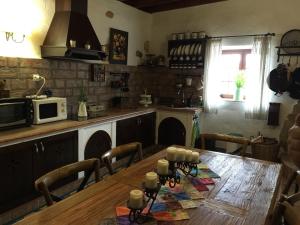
<point x="151" y="180"/>
<point x="162" y="167"/>
<point x="171" y="153"/>
<point x="195" y="157"/>
<point x="136" y="198"/>
<point x="180" y="155"/>
<point x="189" y="156"/>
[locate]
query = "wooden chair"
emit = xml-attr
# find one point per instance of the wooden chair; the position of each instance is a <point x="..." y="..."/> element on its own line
<point x="43" y="183"/>
<point x="131" y="150"/>
<point x="226" y="138"/>
<point x="287" y="209"/>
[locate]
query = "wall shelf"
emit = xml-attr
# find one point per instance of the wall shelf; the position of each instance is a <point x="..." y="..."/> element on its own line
<point x="186" y="54"/>
<point x="290" y="54"/>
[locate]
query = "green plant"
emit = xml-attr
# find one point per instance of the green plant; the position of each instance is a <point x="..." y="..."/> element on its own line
<point x="82" y="95"/>
<point x="240" y="80"/>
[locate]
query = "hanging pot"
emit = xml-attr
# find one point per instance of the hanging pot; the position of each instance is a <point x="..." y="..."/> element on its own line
<point x="277" y="80"/>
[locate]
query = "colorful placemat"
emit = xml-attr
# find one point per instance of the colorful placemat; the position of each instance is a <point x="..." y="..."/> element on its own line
<point x="171" y="203"/>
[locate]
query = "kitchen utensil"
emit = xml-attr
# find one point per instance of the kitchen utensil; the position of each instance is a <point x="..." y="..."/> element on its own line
<point x="192" y="49"/>
<point x="201" y="34"/>
<point x="187" y="49"/>
<point x="194" y="35"/>
<point x="180" y="36"/>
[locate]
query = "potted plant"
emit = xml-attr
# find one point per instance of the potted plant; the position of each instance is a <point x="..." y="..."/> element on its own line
<point x="240" y="81"/>
<point x="82" y="99"/>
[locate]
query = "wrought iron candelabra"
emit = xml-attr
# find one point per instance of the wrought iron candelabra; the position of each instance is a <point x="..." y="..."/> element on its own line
<point x="173" y="178"/>
<point x="137" y="215"/>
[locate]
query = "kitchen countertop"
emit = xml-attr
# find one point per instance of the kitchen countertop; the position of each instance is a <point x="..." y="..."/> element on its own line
<point x="36" y="131"/>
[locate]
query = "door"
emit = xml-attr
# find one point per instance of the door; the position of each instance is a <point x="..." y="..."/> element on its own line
<point x="54" y="152"/>
<point x="16" y="174"/>
<point x="171" y="132"/>
<point x="147" y="129"/>
<point x="127" y="131"/>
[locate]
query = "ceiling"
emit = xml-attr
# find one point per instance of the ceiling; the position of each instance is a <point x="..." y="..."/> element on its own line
<point x="152" y="6"/>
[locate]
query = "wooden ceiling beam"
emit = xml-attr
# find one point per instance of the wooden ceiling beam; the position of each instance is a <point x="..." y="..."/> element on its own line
<point x="152" y="6"/>
<point x="148" y="3"/>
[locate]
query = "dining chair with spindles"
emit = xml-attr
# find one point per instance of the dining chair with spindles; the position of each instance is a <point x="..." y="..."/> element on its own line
<point x="225" y="138"/>
<point x="130" y="151"/>
<point x="43" y="183"/>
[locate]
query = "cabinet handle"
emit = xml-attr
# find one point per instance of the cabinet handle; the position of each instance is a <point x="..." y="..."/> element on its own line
<point x="43" y="148"/>
<point x="36" y="148"/>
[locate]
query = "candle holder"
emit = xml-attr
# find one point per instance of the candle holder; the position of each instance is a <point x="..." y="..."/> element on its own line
<point x="187" y="168"/>
<point x="172" y="177"/>
<point x="137" y="215"/>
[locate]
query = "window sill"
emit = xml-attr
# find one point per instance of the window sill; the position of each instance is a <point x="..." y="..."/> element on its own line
<point x="230" y="98"/>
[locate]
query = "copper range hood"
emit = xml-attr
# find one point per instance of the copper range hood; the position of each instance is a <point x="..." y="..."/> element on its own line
<point x="70" y="24"/>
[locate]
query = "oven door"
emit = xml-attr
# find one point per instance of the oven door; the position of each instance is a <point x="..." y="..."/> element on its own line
<point x="13" y="113"/>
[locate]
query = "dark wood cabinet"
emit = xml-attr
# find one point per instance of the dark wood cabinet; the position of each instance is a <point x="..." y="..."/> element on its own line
<point x="54" y="152"/>
<point x="16" y="175"/>
<point x="22" y="164"/>
<point x="139" y="128"/>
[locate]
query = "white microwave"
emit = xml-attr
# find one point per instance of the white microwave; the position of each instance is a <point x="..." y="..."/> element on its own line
<point x="49" y="110"/>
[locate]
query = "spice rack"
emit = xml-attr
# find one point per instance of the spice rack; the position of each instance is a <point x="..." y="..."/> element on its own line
<point x="186" y="54"/>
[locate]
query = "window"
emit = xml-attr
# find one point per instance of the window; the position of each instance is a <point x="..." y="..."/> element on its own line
<point x="234" y="64"/>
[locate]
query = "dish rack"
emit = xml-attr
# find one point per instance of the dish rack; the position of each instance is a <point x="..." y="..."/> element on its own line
<point x="187" y="54"/>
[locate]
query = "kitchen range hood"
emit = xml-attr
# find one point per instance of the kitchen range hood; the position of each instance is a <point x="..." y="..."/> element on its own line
<point x="71" y="34"/>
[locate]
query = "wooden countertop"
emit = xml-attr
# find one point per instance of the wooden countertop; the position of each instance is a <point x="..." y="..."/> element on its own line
<point x="47" y="129"/>
<point x="244" y="195"/>
<point x="36" y="131"/>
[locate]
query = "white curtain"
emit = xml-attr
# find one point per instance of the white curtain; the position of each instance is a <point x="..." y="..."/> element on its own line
<point x="212" y="75"/>
<point x="257" y="92"/>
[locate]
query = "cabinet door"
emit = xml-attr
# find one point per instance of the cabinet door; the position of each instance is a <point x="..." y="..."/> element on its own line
<point x="147" y="129"/>
<point x="54" y="152"/>
<point x="16" y="174"/>
<point x="127" y="131"/>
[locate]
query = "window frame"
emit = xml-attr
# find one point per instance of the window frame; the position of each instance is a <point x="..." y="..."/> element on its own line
<point x="243" y="53"/>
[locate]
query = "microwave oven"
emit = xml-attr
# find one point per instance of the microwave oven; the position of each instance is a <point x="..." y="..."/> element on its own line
<point x="15" y="113"/>
<point x="49" y="110"/>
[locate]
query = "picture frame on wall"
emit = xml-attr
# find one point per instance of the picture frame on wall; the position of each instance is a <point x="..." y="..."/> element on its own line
<point x="118" y="46"/>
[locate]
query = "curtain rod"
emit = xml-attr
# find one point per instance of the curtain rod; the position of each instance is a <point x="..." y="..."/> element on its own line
<point x="246" y="35"/>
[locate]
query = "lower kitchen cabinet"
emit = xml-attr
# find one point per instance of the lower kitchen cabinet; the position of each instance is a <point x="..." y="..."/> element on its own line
<point x="54" y="152"/>
<point x="139" y="128"/>
<point x="22" y="164"/>
<point x="16" y="175"/>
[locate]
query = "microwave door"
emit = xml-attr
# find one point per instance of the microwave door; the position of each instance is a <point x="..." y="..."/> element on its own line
<point x="12" y="114"/>
<point x="48" y="110"/>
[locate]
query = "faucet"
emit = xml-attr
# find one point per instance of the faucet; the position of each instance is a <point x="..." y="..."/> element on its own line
<point x="180" y="90"/>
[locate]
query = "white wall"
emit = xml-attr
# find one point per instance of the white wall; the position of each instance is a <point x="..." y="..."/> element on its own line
<point x="137" y="23"/>
<point x="33" y="17"/>
<point x="232" y="17"/>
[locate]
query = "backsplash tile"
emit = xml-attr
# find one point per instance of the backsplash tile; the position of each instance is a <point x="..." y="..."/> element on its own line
<point x="65" y="78"/>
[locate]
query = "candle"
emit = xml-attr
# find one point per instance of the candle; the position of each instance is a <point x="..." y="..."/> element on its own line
<point x="180" y="155"/>
<point x="136" y="199"/>
<point x="163" y="167"/>
<point x="171" y="153"/>
<point x="195" y="157"/>
<point x="189" y="156"/>
<point x="151" y="180"/>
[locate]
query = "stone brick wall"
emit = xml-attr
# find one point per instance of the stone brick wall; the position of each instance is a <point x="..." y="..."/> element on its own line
<point x="65" y="78"/>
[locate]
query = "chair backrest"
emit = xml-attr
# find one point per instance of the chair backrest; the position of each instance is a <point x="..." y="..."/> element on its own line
<point x="43" y="183"/>
<point x="226" y="138"/>
<point x="131" y="150"/>
<point x="284" y="212"/>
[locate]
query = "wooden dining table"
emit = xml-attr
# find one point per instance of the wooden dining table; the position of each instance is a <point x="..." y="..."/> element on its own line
<point x="245" y="194"/>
